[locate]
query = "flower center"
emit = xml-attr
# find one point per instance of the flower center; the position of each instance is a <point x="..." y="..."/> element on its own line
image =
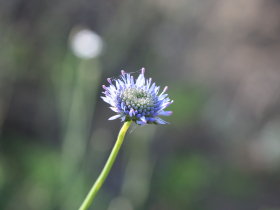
<point x="138" y="99"/>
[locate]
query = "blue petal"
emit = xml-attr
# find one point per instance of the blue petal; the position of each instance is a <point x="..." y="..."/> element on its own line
<point x="143" y="119"/>
<point x="165" y="113"/>
<point x="140" y="123"/>
<point x="115" y="117"/>
<point x="115" y="109"/>
<point x="117" y="84"/>
<point x="140" y="81"/>
<point x="152" y="87"/>
<point x="160" y="121"/>
<point x="128" y="80"/>
<point x="131" y="113"/>
<point x="105" y="99"/>
<point x="157" y="89"/>
<point x="162" y="96"/>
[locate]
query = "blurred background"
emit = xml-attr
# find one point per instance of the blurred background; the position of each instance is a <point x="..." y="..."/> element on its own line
<point x="220" y="59"/>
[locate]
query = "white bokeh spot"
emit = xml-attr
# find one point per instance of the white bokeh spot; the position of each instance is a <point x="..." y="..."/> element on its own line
<point x="86" y="44"/>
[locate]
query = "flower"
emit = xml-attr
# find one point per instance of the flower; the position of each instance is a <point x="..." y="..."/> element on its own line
<point x="137" y="101"/>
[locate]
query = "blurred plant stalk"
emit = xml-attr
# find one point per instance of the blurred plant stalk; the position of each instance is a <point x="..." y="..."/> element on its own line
<point x="79" y="119"/>
<point x="76" y="93"/>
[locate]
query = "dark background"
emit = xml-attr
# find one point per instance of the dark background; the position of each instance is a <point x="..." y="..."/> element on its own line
<point x="220" y="60"/>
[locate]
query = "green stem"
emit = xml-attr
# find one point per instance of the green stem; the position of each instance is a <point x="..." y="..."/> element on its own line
<point x="106" y="168"/>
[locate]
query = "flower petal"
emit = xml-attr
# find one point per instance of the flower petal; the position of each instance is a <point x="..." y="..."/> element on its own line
<point x="164" y="113"/>
<point x="115" y="109"/>
<point x="160" y="121"/>
<point x="105" y="99"/>
<point x="131" y="113"/>
<point x="140" y="123"/>
<point x="152" y="87"/>
<point x="115" y="117"/>
<point x="140" y="80"/>
<point x="143" y="119"/>
<point x="162" y="96"/>
<point x="164" y="90"/>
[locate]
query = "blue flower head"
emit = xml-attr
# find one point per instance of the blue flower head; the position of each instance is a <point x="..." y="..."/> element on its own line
<point x="137" y="100"/>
